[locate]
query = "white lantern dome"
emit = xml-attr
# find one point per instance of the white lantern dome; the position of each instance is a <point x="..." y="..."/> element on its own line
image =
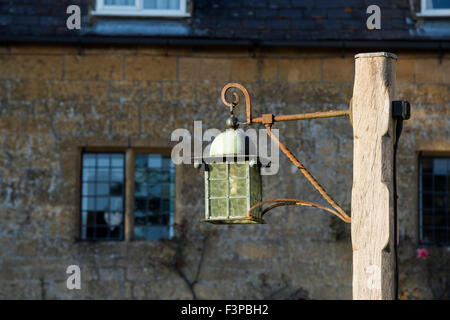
<point x="232" y="142"/>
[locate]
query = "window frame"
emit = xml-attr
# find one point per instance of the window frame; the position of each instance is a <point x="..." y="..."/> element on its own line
<point x="422" y="155"/>
<point x="138" y="10"/>
<point x="424" y="12"/>
<point x="129" y="181"/>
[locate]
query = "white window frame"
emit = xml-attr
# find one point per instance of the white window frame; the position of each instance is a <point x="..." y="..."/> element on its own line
<point x="424" y="12"/>
<point x="138" y="10"/>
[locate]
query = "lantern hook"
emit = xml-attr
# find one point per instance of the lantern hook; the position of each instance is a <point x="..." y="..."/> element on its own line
<point x="236" y="99"/>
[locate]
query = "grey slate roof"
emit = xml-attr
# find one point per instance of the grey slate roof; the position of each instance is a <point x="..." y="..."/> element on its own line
<point x="282" y="22"/>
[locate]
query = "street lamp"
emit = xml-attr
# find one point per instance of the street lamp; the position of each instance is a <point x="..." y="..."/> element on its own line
<point x="233" y="188"/>
<point x="377" y="119"/>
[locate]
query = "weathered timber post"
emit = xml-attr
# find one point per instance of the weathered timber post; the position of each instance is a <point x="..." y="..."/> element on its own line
<point x="372" y="228"/>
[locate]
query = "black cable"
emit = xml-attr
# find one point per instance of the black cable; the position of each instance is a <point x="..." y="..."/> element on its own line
<point x="398" y="132"/>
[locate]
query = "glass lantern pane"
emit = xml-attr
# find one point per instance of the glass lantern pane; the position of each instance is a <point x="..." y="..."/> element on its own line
<point x="218" y="207"/>
<point x="238" y="187"/>
<point x="218" y="188"/>
<point x="238" y="207"/>
<point x="238" y="170"/>
<point x="255" y="190"/>
<point x="217" y="171"/>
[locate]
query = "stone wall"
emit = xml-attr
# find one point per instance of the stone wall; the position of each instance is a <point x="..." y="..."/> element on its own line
<point x="57" y="99"/>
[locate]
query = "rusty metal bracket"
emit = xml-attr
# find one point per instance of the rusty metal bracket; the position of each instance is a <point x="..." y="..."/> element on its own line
<point x="268" y="119"/>
<point x="236" y="98"/>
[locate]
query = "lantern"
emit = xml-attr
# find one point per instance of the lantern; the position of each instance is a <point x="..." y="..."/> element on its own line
<point x="233" y="192"/>
<point x="232" y="179"/>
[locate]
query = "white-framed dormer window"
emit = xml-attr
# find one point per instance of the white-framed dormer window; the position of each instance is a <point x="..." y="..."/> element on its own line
<point x="434" y="8"/>
<point x="145" y="8"/>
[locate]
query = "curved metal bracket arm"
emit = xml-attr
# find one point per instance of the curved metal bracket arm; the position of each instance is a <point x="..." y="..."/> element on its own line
<point x="269" y="118"/>
<point x="236" y="98"/>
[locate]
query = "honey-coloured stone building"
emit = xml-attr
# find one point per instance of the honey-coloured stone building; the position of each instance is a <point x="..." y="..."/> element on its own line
<point x="86" y="117"/>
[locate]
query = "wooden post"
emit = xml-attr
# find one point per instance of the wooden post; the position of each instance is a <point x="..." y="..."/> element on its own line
<point x="372" y="228"/>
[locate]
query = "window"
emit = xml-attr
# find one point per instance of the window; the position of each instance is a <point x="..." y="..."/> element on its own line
<point x="151" y="200"/>
<point x="435" y="8"/>
<point x="102" y="196"/>
<point x="150" y="8"/>
<point x="153" y="196"/>
<point x="434" y="204"/>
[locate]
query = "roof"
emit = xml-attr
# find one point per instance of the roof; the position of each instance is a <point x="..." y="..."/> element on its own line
<point x="256" y="22"/>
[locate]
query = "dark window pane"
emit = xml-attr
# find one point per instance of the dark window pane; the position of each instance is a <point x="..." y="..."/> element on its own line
<point x="427" y="217"/>
<point x="427" y="201"/>
<point x="165" y="205"/>
<point x="441" y="236"/>
<point x="102" y="199"/>
<point x="139" y="205"/>
<point x="140" y="161"/>
<point x="427" y="182"/>
<point x="168" y="190"/>
<point x="91" y="217"/>
<point x="427" y="165"/>
<point x="440" y="218"/>
<point x="90" y="232"/>
<point x="439" y="166"/>
<point x="435" y="200"/>
<point x="167" y="163"/>
<point x="140" y="189"/>
<point x="140" y="175"/>
<point x="99" y="218"/>
<point x="116" y="189"/>
<point x="428" y="235"/>
<point x="441" y="4"/>
<point x="440" y="182"/>
<point x="439" y="202"/>
<point x="140" y="218"/>
<point x="153" y="204"/>
<point x="101" y="232"/>
<point x="154" y="193"/>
